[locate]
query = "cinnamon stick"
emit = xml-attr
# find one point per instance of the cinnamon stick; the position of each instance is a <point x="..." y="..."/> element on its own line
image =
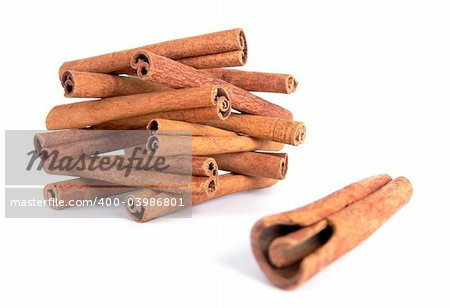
<point x="256" y="81"/>
<point x="228" y="184"/>
<point x="52" y="139"/>
<point x="87" y="113"/>
<point x="100" y="169"/>
<point x="155" y="68"/>
<point x="96" y="85"/>
<point x="225" y="59"/>
<point x="171" y="127"/>
<point x="106" y="141"/>
<point x="199" y="145"/>
<point x="80" y="189"/>
<point x="194" y="165"/>
<point x="207" y="44"/>
<point x="291" y="247"/>
<point x="279" y="130"/>
<point x="193" y="115"/>
<point x="254" y="164"/>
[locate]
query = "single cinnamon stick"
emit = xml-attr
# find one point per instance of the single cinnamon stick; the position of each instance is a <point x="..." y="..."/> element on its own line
<point x="195" y="165"/>
<point x="82" y="114"/>
<point x="105" y="142"/>
<point x="104" y="169"/>
<point x="254" y="164"/>
<point x="279" y="130"/>
<point x="155" y="68"/>
<point x="80" y="189"/>
<point x="96" y="85"/>
<point x="256" y="81"/>
<point x="225" y="59"/>
<point x="200" y="145"/>
<point x="193" y="115"/>
<point x="291" y="247"/>
<point x="171" y="127"/>
<point x="228" y="184"/>
<point x="51" y="139"/>
<point x="207" y="44"/>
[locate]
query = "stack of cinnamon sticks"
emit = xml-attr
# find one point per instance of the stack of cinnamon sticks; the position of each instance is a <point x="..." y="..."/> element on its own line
<point x="176" y="102"/>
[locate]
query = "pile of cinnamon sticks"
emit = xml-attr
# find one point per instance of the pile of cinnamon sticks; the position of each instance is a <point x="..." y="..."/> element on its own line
<point x="176" y="102"/>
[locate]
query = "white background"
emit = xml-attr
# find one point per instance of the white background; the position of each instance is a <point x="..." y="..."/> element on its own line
<point x="374" y="93"/>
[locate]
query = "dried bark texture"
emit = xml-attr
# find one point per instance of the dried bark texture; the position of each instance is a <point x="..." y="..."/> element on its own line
<point x="162" y="70"/>
<point x="193" y="115"/>
<point x="300" y="243"/>
<point x="104" y="143"/>
<point x="83" y="114"/>
<point x="198" y="145"/>
<point x="256" y="81"/>
<point x="202" y="45"/>
<point x="254" y="164"/>
<point x="96" y="85"/>
<point x="225" y="59"/>
<point x="51" y="139"/>
<point x="195" y="165"/>
<point x="228" y="184"/>
<point x="140" y="178"/>
<point x="81" y="189"/>
<point x="279" y="130"/>
<point x="171" y="127"/>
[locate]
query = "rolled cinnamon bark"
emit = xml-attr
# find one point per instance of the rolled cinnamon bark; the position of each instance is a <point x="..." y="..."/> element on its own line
<point x="228" y="184"/>
<point x="195" y="165"/>
<point x="256" y="81"/>
<point x="279" y="130"/>
<point x="199" y="145"/>
<point x="106" y="142"/>
<point x="193" y="115"/>
<point x="171" y="127"/>
<point x="225" y="59"/>
<point x="81" y="189"/>
<point x="82" y="114"/>
<point x="138" y="178"/>
<point x="254" y="164"/>
<point x="96" y="85"/>
<point x="207" y="44"/>
<point x="51" y="139"/>
<point x="155" y="68"/>
<point x="291" y="247"/>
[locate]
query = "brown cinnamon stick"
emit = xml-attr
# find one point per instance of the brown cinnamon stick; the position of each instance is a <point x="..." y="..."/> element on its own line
<point x="155" y="68"/>
<point x="195" y="165"/>
<point x="225" y="59"/>
<point x="193" y="115"/>
<point x="106" y="141"/>
<point x="228" y="184"/>
<point x="207" y="44"/>
<point x="52" y="139"/>
<point x="82" y="114"/>
<point x="256" y="81"/>
<point x="279" y="130"/>
<point x="254" y="164"/>
<point x="96" y="85"/>
<point x="99" y="169"/>
<point x="291" y="247"/>
<point x="80" y="189"/>
<point x="171" y="127"/>
<point x="200" y="145"/>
